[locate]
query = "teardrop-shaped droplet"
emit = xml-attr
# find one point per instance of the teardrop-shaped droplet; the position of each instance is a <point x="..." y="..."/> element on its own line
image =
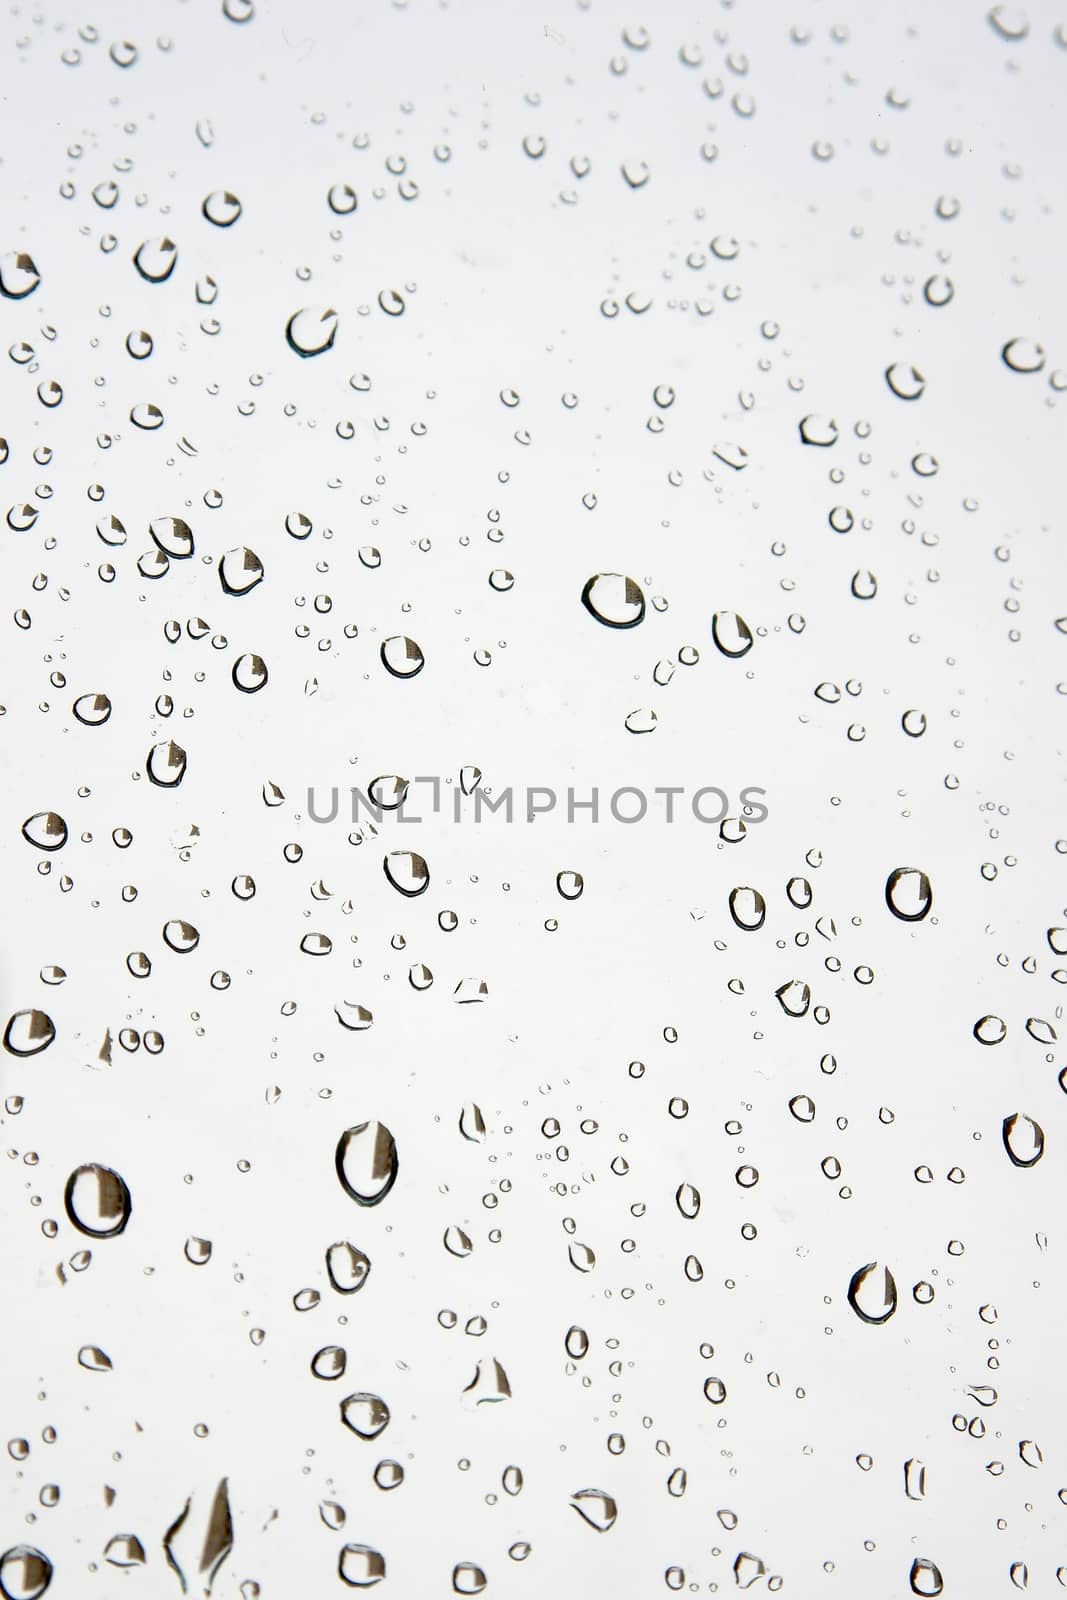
<point x="614" y="600"/>
<point x="356" y="1018"/>
<point x="311" y="331"/>
<point x="240" y="571"/>
<point x="166" y="764"/>
<point x="872" y="1293"/>
<point x="173" y="536"/>
<point x="456" y="1242"/>
<point x="46" y="830"/>
<point x="596" y="1508"/>
<point x="687" y="1199"/>
<point x="367" y="1162"/>
<point x="581" y="1256"/>
<point x="407" y="872"/>
<point x="472" y="1123"/>
<point x="367" y="1415"/>
<point x="908" y="894"/>
<point x="748" y="908"/>
<point x="570" y="885"/>
<point x="925" y="1578"/>
<point x="94" y="1359"/>
<point x="1024" y="1140"/>
<point x="576" y="1343"/>
<point x="28" y="1032"/>
<point x="97" y="1201"/>
<point x="731" y="633"/>
<point x="347" y="1267"/>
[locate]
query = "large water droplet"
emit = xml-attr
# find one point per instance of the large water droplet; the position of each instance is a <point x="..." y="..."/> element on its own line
<point x="240" y="571"/>
<point x="367" y="1415"/>
<point x="97" y="1201"/>
<point x="166" y="764"/>
<point x="28" y="1032"/>
<point x="925" y="1578"/>
<point x="731" y="634"/>
<point x="46" y="830"/>
<point x="872" y="1293"/>
<point x="347" y="1267"/>
<point x="25" y="1573"/>
<point x="401" y="656"/>
<point x="407" y="872"/>
<point x="908" y="894"/>
<point x="1024" y="1140"/>
<point x="155" y="259"/>
<point x="367" y="1162"/>
<point x="311" y="331"/>
<point x="596" y="1508"/>
<point x="18" y="275"/>
<point x="360" y="1567"/>
<point x="614" y="600"/>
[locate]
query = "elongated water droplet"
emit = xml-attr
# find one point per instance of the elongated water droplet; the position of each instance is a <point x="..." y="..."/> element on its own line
<point x="166" y="764"/>
<point x="908" y="894"/>
<point x="1024" y="1140"/>
<point x="367" y="1162"/>
<point x="872" y="1293"/>
<point x="595" y="1507"/>
<point x="731" y="634"/>
<point x="347" y="1267"/>
<point x="925" y="1578"/>
<point x="407" y="872"/>
<point x="97" y="1201"/>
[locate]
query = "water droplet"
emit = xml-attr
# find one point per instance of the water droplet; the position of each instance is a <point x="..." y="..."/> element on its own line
<point x="872" y="1293"/>
<point x="908" y="894"/>
<point x="367" y="1415"/>
<point x="311" y="331"/>
<point x="1024" y="1140"/>
<point x="614" y="600"/>
<point x="367" y="1162"/>
<point x="596" y="1508"/>
<point x="97" y="1201"/>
